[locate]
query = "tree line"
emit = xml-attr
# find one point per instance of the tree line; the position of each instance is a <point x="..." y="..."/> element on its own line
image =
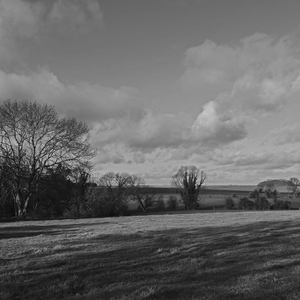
<point x="45" y="169"/>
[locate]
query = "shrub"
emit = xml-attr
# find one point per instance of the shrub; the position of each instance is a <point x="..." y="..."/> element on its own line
<point x="99" y="204"/>
<point x="229" y="203"/>
<point x="172" y="203"/>
<point x="281" y="204"/>
<point x="246" y="204"/>
<point x="262" y="203"/>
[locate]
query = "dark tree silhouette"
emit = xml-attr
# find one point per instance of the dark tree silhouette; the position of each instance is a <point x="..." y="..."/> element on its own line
<point x="32" y="139"/>
<point x="187" y="181"/>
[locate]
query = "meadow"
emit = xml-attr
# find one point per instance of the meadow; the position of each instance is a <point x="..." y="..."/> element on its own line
<point x="200" y="255"/>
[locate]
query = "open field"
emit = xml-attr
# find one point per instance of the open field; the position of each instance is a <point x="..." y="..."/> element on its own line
<point x="216" y="255"/>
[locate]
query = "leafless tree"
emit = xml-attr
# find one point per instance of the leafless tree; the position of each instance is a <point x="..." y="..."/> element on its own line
<point x="138" y="192"/>
<point x="187" y="181"/>
<point x="32" y="139"/>
<point x="294" y="186"/>
<point x="115" y="184"/>
<point x="115" y="187"/>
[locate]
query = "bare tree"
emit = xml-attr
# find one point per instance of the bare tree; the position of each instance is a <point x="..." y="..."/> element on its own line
<point x="187" y="181"/>
<point x="32" y="139"/>
<point x="115" y="187"/>
<point x="293" y="186"/>
<point x="139" y="192"/>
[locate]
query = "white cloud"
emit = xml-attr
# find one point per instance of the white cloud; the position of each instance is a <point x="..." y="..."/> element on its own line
<point x="179" y="133"/>
<point x="260" y="73"/>
<point x="149" y="132"/>
<point x="219" y="126"/>
<point x="91" y="103"/>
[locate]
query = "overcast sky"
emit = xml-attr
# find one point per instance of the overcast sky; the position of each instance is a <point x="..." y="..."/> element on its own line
<point x="165" y="83"/>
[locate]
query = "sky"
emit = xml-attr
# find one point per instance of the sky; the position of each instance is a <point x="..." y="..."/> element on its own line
<point x="165" y="83"/>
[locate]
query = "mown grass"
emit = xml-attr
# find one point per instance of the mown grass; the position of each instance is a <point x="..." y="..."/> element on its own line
<point x="229" y="255"/>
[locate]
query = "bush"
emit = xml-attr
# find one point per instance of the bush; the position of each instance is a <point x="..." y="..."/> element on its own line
<point x="172" y="203"/>
<point x="229" y="203"/>
<point x="281" y="204"/>
<point x="246" y="204"/>
<point x="262" y="203"/>
<point x="99" y="204"/>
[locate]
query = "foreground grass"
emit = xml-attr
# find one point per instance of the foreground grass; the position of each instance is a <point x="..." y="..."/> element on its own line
<point x="230" y="255"/>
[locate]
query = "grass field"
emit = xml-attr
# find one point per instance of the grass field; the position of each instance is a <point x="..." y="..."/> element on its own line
<point x="213" y="255"/>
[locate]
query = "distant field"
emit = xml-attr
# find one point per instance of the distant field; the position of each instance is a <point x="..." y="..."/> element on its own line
<point x="246" y="188"/>
<point x="215" y="255"/>
<point x="214" y="196"/>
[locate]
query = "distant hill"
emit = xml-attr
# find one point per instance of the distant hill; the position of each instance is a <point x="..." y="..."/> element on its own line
<point x="281" y="185"/>
<point x="275" y="183"/>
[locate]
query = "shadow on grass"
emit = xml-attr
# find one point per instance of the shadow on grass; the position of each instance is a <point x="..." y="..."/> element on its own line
<point x="9" y="232"/>
<point x="257" y="261"/>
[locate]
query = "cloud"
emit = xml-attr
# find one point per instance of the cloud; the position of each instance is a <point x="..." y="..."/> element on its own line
<point x="265" y="158"/>
<point x="244" y="159"/>
<point x="91" y="103"/>
<point x="118" y="116"/>
<point x="148" y="133"/>
<point x="219" y="126"/>
<point x="22" y="20"/>
<point x="18" y="19"/>
<point x="286" y="135"/>
<point x="106" y="156"/>
<point x="139" y="157"/>
<point x="160" y="131"/>
<point x="260" y="73"/>
<point x="74" y="15"/>
<point x="213" y="127"/>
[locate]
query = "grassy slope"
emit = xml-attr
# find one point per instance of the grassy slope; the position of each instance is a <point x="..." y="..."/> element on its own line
<point x="229" y="255"/>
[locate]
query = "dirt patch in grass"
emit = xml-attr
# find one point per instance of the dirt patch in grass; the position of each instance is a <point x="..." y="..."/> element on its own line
<point x="253" y="255"/>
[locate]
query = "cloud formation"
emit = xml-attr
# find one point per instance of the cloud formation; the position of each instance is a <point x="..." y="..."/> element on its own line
<point x="92" y="103"/>
<point x="218" y="126"/>
<point x="260" y="73"/>
<point x="286" y="135"/>
<point x="22" y="20"/>
<point x="74" y="15"/>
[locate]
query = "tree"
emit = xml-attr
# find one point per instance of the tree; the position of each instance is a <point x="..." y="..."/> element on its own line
<point x="80" y="179"/>
<point x="293" y="187"/>
<point x="55" y="193"/>
<point x="7" y="208"/>
<point x="186" y="181"/>
<point x="115" y="186"/>
<point x="32" y="139"/>
<point x="138" y="192"/>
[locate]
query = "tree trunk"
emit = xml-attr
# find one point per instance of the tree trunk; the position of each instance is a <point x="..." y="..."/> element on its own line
<point x="18" y="209"/>
<point x="24" y="211"/>
<point x="142" y="206"/>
